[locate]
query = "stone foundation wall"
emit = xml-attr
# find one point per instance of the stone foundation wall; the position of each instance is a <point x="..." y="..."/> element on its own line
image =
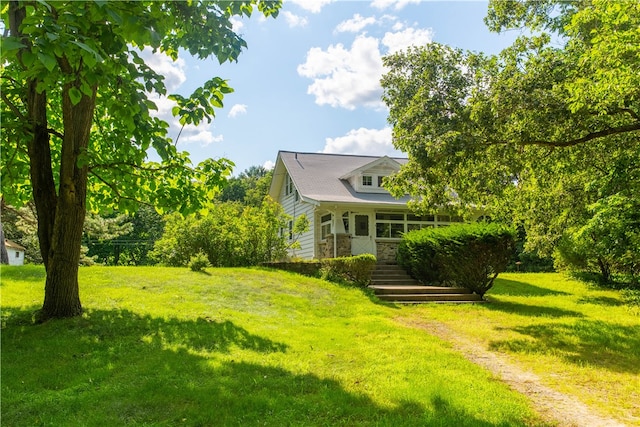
<point x="343" y="245"/>
<point x="387" y="251"/>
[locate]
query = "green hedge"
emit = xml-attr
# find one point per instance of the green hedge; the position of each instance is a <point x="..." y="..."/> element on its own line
<point x="467" y="255"/>
<point x="356" y="269"/>
<point x="353" y="269"/>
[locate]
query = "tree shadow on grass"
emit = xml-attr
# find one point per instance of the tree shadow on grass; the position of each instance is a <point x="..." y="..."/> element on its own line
<point x="610" y="346"/>
<point x="601" y="300"/>
<point x="532" y="310"/>
<point x="120" y="368"/>
<point x="517" y="288"/>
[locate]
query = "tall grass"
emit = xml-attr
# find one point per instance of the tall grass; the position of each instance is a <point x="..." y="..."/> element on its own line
<point x="162" y="346"/>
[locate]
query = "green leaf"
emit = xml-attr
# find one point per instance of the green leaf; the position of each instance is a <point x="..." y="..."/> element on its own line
<point x="75" y="95"/>
<point x="28" y="58"/>
<point x="85" y="47"/>
<point x="10" y="43"/>
<point x="47" y="60"/>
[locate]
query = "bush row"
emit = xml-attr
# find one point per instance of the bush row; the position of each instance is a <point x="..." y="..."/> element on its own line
<point x="467" y="255"/>
<point x="354" y="269"/>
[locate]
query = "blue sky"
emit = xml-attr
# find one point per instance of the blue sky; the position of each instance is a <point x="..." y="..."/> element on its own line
<point x="309" y="79"/>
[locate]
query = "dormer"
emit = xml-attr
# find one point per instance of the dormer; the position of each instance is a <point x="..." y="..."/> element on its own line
<point x="369" y="178"/>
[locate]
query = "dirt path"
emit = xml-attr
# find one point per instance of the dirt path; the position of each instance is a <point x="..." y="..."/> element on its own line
<point x="552" y="405"/>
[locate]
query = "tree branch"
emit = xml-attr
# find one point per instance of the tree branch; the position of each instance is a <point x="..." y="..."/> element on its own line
<point x="117" y="193"/>
<point x="131" y="165"/>
<point x="13" y="107"/>
<point x="577" y="141"/>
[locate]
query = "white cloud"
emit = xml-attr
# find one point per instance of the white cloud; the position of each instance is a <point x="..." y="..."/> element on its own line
<point x="294" y="20"/>
<point x="313" y="6"/>
<point x="355" y="24"/>
<point x="344" y="77"/>
<point x="173" y="71"/>
<point x="350" y="77"/>
<point x="397" y="4"/>
<point x="375" y="142"/>
<point x="202" y="137"/>
<point x="237" y="109"/>
<point x="268" y="165"/>
<point x="407" y="37"/>
<point x="236" y="24"/>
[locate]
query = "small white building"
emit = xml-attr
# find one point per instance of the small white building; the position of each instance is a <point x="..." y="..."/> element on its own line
<point x="349" y="210"/>
<point x="15" y="251"/>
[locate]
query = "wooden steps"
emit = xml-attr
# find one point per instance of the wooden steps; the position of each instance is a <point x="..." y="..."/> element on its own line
<point x="391" y="283"/>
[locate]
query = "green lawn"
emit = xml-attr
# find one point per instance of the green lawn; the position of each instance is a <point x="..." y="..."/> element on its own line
<point x="581" y="340"/>
<point x="163" y="346"/>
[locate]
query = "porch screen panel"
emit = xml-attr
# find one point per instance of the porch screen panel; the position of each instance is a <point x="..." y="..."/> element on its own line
<point x="362" y="225"/>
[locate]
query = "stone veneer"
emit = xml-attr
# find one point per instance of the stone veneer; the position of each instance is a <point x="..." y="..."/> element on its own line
<point x="387" y="250"/>
<point x="343" y="244"/>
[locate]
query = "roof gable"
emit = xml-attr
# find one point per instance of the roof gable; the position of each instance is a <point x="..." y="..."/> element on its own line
<point x="384" y="162"/>
<point x="318" y="177"/>
<point x="13" y="245"/>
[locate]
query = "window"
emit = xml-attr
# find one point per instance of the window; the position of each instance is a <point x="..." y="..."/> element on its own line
<point x="362" y="225"/>
<point x="420" y="218"/>
<point x="367" y="180"/>
<point x="345" y="222"/>
<point x="325" y="226"/>
<point x="290" y="230"/>
<point x="380" y="180"/>
<point x="288" y="186"/>
<point x="390" y="225"/>
<point x="17" y="254"/>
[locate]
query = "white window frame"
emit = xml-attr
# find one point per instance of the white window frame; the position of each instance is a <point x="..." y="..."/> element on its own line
<point x="288" y="185"/>
<point x="416" y="222"/>
<point x="324" y="223"/>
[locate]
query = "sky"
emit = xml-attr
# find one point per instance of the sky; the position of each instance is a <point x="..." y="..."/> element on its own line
<point x="309" y="80"/>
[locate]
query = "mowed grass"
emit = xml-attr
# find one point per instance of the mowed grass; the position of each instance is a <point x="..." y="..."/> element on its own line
<point x="579" y="339"/>
<point x="234" y="347"/>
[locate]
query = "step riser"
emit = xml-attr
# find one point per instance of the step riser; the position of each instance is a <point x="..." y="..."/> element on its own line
<point x="394" y="284"/>
<point x="429" y="298"/>
<point x="426" y="291"/>
<point x="391" y="283"/>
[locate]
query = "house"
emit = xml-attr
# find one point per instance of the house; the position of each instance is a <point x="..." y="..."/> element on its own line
<point x="348" y="209"/>
<point x="15" y="251"/>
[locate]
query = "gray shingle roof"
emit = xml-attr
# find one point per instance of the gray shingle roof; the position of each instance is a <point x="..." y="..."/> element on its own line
<point x="317" y="177"/>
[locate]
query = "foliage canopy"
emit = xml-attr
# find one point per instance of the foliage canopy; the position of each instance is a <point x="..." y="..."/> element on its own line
<point x="537" y="134"/>
<point x="78" y="126"/>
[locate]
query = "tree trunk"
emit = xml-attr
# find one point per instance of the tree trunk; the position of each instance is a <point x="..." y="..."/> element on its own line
<point x="4" y="255"/>
<point x="60" y="213"/>
<point x="62" y="297"/>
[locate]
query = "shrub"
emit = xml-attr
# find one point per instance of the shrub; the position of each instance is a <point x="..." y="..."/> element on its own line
<point x="356" y="269"/>
<point x="417" y="255"/>
<point x="230" y="234"/>
<point x="608" y="243"/>
<point x="467" y="255"/>
<point x="199" y="262"/>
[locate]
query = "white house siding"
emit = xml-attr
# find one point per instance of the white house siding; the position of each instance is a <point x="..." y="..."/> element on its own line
<point x="16" y="257"/>
<point x="307" y="249"/>
<point x="295" y="208"/>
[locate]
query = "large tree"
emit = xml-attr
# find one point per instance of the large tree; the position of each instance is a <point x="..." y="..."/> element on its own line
<point x="539" y="132"/>
<point x="77" y="122"/>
